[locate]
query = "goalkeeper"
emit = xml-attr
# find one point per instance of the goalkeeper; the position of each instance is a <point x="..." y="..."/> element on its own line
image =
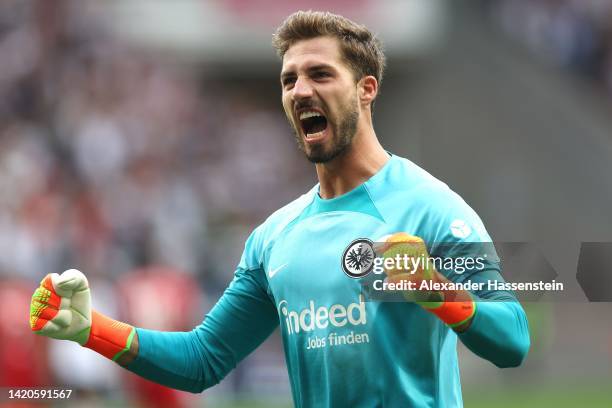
<point x="304" y="268"/>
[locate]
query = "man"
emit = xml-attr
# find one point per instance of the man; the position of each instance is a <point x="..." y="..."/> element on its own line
<point x="306" y="266"/>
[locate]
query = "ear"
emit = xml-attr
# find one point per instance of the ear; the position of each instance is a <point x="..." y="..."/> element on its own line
<point x="368" y="89"/>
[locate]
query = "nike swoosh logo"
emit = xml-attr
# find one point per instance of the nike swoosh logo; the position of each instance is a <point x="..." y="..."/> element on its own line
<point x="273" y="272"/>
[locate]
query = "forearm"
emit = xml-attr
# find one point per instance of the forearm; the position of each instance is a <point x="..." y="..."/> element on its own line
<point x="195" y="360"/>
<point x="498" y="332"/>
<point x="174" y="359"/>
<point x="163" y="360"/>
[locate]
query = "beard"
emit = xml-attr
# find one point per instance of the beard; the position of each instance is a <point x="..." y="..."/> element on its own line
<point x="343" y="132"/>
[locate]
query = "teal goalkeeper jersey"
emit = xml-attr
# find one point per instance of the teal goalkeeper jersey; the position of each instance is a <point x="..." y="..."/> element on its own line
<point x="343" y="349"/>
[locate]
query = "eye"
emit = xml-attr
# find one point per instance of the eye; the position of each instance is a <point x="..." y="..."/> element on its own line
<point x="321" y="74"/>
<point x="287" y="82"/>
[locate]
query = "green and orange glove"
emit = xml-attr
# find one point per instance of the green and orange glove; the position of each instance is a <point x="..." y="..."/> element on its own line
<point x="61" y="309"/>
<point x="453" y="307"/>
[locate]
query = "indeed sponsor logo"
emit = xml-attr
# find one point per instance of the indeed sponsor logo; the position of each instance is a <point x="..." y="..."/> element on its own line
<point x="312" y="317"/>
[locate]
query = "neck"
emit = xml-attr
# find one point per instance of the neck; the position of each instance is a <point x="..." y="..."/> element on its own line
<point x="364" y="158"/>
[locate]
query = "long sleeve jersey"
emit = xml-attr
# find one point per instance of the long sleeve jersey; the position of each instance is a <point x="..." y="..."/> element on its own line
<point x="342" y="349"/>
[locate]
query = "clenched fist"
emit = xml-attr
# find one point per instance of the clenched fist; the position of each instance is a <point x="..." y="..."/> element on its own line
<point x="61" y="307"/>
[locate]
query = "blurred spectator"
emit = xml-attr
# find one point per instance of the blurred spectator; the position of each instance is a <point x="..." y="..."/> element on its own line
<point x="576" y="34"/>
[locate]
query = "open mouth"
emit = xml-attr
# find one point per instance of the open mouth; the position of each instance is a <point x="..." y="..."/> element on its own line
<point x="313" y="124"/>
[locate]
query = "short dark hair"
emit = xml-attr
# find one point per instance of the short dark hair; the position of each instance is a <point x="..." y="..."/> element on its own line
<point x="361" y="50"/>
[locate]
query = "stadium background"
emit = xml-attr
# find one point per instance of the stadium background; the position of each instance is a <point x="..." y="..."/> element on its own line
<point x="141" y="141"/>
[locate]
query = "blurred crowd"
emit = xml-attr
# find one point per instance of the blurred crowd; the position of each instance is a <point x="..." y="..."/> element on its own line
<point x="122" y="163"/>
<point x="111" y="158"/>
<point x="575" y="34"/>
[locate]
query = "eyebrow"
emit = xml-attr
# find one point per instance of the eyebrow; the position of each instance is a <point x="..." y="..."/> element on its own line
<point x="314" y="68"/>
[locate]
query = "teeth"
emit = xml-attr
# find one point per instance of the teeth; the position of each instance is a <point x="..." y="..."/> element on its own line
<point x="308" y="114"/>
<point x="311" y="135"/>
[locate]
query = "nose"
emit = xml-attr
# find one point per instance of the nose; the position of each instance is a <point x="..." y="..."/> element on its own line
<point x="302" y="89"/>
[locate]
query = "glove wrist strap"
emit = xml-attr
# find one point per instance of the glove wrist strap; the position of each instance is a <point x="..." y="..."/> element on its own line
<point x="109" y="337"/>
<point x="457" y="308"/>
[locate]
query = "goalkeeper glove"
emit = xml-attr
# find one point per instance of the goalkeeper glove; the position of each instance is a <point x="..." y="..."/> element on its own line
<point x="61" y="309"/>
<point x="453" y="307"/>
